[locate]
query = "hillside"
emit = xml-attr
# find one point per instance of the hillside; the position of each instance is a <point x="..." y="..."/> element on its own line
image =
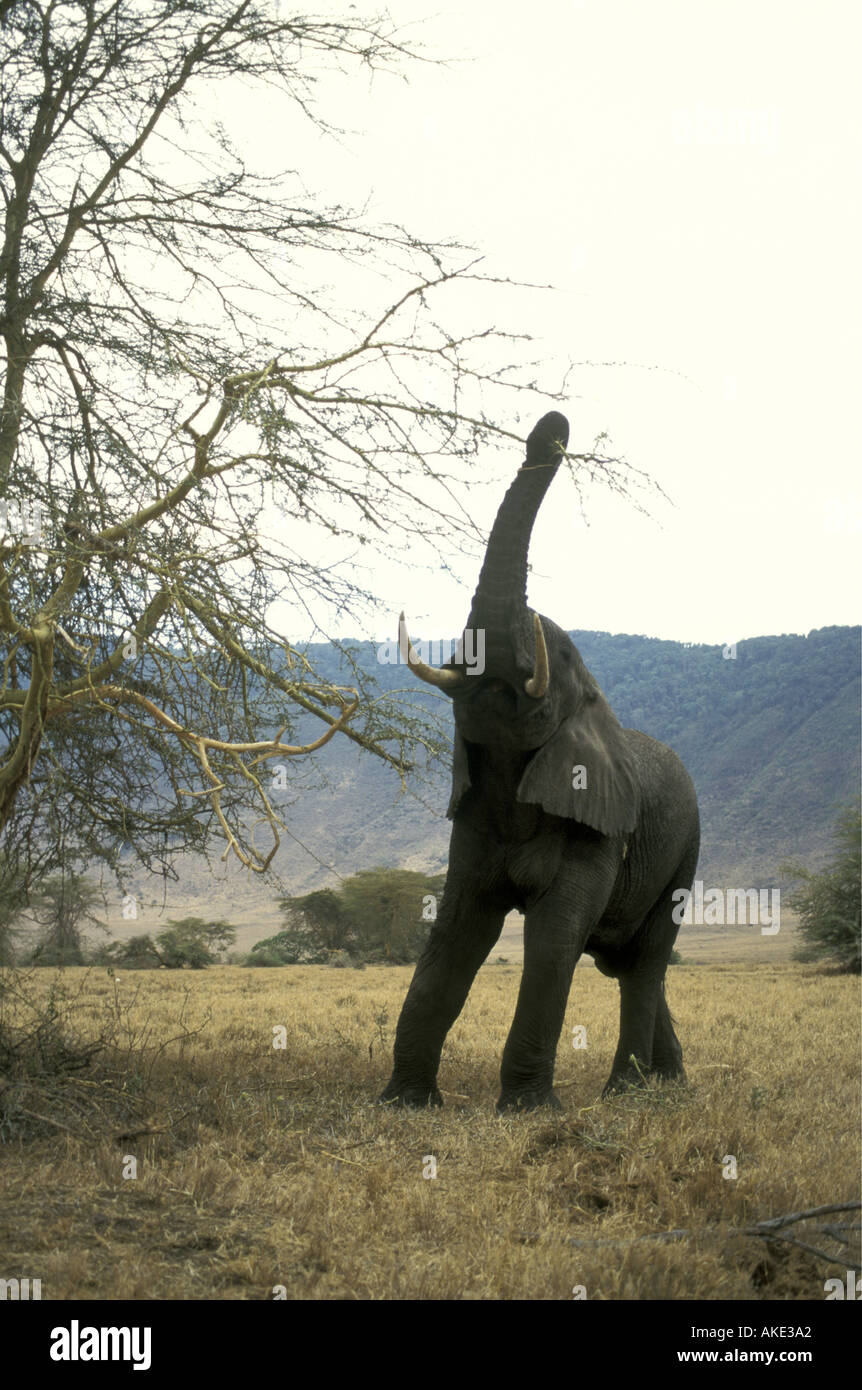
<point x="770" y="736"/>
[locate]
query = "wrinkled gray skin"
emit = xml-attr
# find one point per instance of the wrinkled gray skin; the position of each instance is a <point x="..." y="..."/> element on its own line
<point x="592" y="868"/>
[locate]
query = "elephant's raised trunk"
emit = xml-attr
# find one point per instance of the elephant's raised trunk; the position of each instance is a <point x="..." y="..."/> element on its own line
<point x="503" y="578"/>
<point x="499" y="605"/>
<point x="513" y="638"/>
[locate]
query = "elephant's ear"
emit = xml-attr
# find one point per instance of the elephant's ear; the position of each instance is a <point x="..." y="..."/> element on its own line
<point x="585" y="772"/>
<point x="460" y="774"/>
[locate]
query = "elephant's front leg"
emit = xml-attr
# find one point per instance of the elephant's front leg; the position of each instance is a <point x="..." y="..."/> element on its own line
<point x="461" y="938"/>
<point x="554" y="936"/>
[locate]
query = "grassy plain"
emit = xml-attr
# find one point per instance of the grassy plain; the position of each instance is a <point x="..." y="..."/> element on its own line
<point x="261" y="1166"/>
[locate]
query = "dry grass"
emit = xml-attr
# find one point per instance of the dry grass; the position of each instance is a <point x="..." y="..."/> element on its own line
<point x="259" y="1168"/>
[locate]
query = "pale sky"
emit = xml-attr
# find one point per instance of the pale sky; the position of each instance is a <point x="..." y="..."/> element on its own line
<point x="687" y="175"/>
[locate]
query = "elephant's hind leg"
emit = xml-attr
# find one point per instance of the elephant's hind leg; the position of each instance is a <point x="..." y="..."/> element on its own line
<point x="648" y="1044"/>
<point x="666" y="1047"/>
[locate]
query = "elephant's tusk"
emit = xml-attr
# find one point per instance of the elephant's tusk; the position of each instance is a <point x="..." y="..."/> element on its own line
<point x="537" y="685"/>
<point x="434" y="675"/>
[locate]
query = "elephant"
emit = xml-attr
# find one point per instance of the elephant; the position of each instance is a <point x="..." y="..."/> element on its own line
<point x="586" y="827"/>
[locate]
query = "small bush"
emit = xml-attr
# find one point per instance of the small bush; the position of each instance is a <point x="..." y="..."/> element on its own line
<point x="828" y="903"/>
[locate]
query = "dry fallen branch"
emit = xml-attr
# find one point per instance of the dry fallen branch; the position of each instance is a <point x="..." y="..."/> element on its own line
<point x="764" y="1230"/>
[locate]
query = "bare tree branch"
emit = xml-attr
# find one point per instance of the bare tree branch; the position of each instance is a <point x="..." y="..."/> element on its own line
<point x="203" y="390"/>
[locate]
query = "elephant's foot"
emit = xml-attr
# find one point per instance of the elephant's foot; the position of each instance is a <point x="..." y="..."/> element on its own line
<point x="411" y="1095"/>
<point x="634" y="1077"/>
<point x="527" y="1100"/>
<point x="615" y="1085"/>
<point x="628" y="1076"/>
<point x="669" y="1071"/>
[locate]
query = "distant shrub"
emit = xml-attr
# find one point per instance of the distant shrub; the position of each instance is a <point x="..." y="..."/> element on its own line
<point x="138" y="953"/>
<point x="828" y="903"/>
<point x="294" y="946"/>
<point x="339" y="959"/>
<point x="190" y="942"/>
<point x="257" y="957"/>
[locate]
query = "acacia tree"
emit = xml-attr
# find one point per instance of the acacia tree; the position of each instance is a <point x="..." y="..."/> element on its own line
<point x="64" y="905"/>
<point x="175" y="374"/>
<point x="392" y="910"/>
<point x="316" y="924"/>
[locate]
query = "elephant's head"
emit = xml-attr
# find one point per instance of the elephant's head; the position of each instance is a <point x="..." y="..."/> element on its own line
<point x="517" y="682"/>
